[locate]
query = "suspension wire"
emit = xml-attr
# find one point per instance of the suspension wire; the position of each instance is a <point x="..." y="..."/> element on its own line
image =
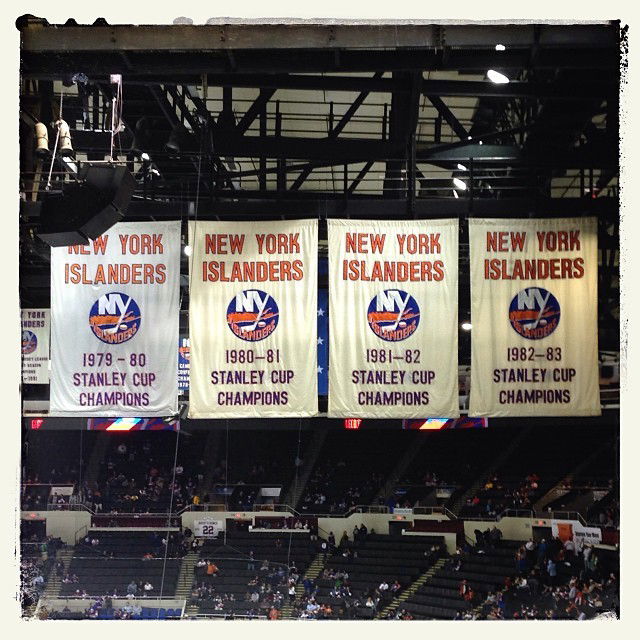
<point x="226" y="477"/>
<point x="55" y="146"/>
<point x="173" y="486"/>
<point x="295" y="486"/>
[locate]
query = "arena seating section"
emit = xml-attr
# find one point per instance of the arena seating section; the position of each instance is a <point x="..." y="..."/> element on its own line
<point x="235" y="573"/>
<point x="381" y="558"/>
<point x="99" y="574"/>
<point x="440" y="599"/>
<point x="351" y="462"/>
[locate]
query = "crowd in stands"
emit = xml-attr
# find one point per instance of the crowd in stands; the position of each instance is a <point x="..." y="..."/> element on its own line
<point x="103" y="609"/>
<point x="32" y="580"/>
<point x="551" y="580"/>
<point x="363" y="575"/>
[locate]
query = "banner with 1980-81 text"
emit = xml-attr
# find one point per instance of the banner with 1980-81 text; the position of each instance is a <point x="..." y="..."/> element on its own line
<point x="114" y="323"/>
<point x="393" y="319"/>
<point x="252" y="319"/>
<point x="534" y="317"/>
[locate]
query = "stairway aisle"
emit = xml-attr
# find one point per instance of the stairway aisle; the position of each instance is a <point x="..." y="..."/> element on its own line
<point x="392" y="607"/>
<point x="185" y="583"/>
<point x="52" y="590"/>
<point x="314" y="570"/>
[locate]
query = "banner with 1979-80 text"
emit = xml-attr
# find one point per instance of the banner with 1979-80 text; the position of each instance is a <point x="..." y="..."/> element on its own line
<point x="534" y="303"/>
<point x="114" y="323"/>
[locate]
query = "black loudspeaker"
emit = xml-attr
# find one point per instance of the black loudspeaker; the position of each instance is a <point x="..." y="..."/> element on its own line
<point x="606" y="371"/>
<point x="87" y="208"/>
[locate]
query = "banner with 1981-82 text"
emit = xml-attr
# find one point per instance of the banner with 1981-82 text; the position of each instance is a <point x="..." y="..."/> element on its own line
<point x="393" y="319"/>
<point x="252" y="319"/>
<point x="534" y="317"/>
<point x="114" y="323"/>
<point x="35" y="346"/>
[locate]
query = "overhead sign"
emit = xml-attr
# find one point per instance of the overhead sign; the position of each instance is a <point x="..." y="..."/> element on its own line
<point x="114" y="323"/>
<point x="534" y="348"/>
<point x="393" y="308"/>
<point x="252" y="319"/>
<point x="35" y="346"/>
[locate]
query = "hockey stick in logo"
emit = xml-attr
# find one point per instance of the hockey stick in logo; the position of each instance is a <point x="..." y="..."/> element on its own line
<point x="120" y="319"/>
<point x="397" y="322"/>
<point x="251" y="327"/>
<point x="543" y="306"/>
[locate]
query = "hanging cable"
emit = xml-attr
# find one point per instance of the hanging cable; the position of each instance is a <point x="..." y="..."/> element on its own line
<point x="55" y="146"/>
<point x="173" y="487"/>
<point x="295" y="486"/>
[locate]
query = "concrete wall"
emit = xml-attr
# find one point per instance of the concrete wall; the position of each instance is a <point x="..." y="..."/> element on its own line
<point x="61" y="524"/>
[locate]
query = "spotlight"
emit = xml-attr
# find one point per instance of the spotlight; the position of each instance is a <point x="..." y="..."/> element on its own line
<point x="462" y="167"/>
<point x="455" y="193"/>
<point x="459" y="184"/>
<point x="64" y="140"/>
<point x="500" y="47"/>
<point x="42" y="140"/>
<point x="496" y="77"/>
<point x="466" y="326"/>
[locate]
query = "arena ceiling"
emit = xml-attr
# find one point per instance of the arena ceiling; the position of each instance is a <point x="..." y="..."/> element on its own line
<point x="311" y="120"/>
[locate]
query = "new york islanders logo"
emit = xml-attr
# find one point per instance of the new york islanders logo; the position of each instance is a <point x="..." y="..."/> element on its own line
<point x="252" y="315"/>
<point x="534" y="313"/>
<point x="393" y="315"/>
<point x="29" y="342"/>
<point x="115" y="318"/>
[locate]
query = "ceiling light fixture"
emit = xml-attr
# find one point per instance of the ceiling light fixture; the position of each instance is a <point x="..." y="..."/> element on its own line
<point x="496" y="77"/>
<point x="460" y="184"/>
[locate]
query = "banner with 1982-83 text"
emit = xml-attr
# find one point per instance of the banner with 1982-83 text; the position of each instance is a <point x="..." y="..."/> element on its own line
<point x="534" y="317"/>
<point x="114" y="323"/>
<point x="393" y="319"/>
<point x="252" y="319"/>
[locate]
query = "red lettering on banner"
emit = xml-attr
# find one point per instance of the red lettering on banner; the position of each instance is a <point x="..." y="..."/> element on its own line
<point x="99" y="247"/>
<point x="359" y="242"/>
<point x="500" y="240"/>
<point x="278" y="243"/>
<point x="218" y="243"/>
<point x="559" y="240"/>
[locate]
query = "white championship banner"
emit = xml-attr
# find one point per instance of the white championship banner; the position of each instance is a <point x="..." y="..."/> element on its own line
<point x="35" y="346"/>
<point x="534" y="349"/>
<point x="253" y="319"/>
<point x="114" y="323"/>
<point x="393" y="319"/>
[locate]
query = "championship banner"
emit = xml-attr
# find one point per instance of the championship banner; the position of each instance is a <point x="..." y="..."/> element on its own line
<point x="252" y="319"/>
<point x="393" y="319"/>
<point x="114" y="323"/>
<point x="534" y="349"/>
<point x="35" y="346"/>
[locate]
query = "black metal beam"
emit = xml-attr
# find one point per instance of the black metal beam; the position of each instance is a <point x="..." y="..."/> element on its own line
<point x="243" y="205"/>
<point x="448" y="116"/>
<point x="358" y="179"/>
<point x="335" y="132"/>
<point x="254" y="110"/>
<point x="37" y="35"/>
